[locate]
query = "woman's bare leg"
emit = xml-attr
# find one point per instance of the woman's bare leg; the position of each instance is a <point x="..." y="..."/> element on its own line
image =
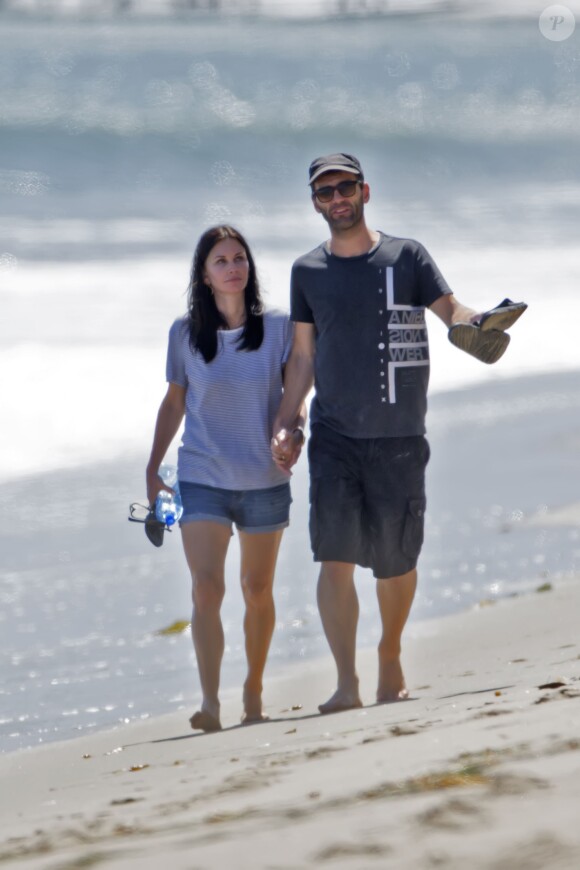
<point x="206" y="545"/>
<point x="259" y="553"/>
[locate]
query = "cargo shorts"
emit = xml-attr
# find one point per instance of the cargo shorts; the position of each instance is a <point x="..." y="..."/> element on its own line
<point x="367" y="500"/>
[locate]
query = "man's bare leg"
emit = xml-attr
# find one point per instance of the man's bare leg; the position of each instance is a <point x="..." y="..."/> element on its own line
<point x="395" y="596"/>
<point x="259" y="553"/>
<point x="206" y="544"/>
<point x="338" y="606"/>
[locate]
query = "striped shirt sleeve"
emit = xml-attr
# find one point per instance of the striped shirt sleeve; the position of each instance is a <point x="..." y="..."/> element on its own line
<point x="175" y="368"/>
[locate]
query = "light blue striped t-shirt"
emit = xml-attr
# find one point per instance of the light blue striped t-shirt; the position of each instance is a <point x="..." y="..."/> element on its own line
<point x="230" y="405"/>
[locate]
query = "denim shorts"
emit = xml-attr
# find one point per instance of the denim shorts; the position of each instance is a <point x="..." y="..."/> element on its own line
<point x="252" y="510"/>
<point x="367" y="500"/>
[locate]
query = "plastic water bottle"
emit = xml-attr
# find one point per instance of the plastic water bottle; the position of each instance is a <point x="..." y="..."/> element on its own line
<point x="168" y="507"/>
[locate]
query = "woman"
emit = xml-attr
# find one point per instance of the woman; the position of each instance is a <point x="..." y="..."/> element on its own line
<point x="225" y="372"/>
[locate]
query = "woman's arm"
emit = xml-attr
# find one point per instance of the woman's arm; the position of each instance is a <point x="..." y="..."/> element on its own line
<point x="169" y="419"/>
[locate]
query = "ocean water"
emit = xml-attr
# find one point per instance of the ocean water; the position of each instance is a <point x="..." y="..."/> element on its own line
<point x="121" y="139"/>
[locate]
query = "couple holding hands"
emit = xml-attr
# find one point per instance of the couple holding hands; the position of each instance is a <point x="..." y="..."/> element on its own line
<point x="240" y="373"/>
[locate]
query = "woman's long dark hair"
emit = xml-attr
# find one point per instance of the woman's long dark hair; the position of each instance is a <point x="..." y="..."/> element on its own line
<point x="203" y="315"/>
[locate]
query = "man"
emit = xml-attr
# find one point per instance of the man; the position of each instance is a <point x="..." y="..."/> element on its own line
<point x="358" y="302"/>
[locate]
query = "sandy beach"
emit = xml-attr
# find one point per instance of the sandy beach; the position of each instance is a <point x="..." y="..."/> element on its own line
<point x="479" y="768"/>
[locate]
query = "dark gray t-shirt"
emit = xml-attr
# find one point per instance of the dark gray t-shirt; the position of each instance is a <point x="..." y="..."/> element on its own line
<point x="372" y="353"/>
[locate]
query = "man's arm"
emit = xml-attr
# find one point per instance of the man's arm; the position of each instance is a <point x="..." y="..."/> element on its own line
<point x="298" y="380"/>
<point x="298" y="376"/>
<point x="451" y="311"/>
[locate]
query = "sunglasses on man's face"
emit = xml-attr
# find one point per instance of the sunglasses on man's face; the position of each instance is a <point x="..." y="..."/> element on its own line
<point x="345" y="188"/>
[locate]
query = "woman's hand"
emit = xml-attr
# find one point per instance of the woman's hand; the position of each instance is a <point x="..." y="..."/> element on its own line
<point x="154" y="486"/>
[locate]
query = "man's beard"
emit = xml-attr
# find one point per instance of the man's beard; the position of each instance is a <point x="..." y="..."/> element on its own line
<point x="346" y="221"/>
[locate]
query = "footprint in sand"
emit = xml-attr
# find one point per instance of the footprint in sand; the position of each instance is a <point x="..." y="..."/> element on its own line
<point x="402" y="730"/>
<point x="451" y="814"/>
<point x="566" y="690"/>
<point x="515" y="784"/>
<point x="495" y="712"/>
<point x="339" y="851"/>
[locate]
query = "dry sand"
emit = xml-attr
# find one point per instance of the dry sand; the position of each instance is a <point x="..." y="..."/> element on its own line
<point x="481" y="768"/>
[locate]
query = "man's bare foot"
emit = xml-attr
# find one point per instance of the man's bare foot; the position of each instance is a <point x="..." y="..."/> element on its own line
<point x="391" y="683"/>
<point x="204" y="721"/>
<point x="340" y="701"/>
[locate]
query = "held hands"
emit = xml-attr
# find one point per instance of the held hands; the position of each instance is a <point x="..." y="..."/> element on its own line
<point x="286" y="448"/>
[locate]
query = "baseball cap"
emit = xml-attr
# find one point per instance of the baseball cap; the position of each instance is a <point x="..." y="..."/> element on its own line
<point x="334" y="163"/>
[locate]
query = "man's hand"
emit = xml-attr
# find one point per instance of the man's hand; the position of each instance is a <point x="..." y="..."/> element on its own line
<point x="451" y="311"/>
<point x="481" y="334"/>
<point x="286" y="448"/>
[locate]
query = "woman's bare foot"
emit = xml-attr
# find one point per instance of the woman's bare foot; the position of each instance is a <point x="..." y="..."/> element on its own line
<point x="253" y="712"/>
<point x="391" y="683"/>
<point x="340" y="701"/>
<point x="206" y="720"/>
<point x="254" y="720"/>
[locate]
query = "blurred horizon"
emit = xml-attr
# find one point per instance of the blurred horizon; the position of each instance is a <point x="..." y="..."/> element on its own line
<point x="275" y="8"/>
